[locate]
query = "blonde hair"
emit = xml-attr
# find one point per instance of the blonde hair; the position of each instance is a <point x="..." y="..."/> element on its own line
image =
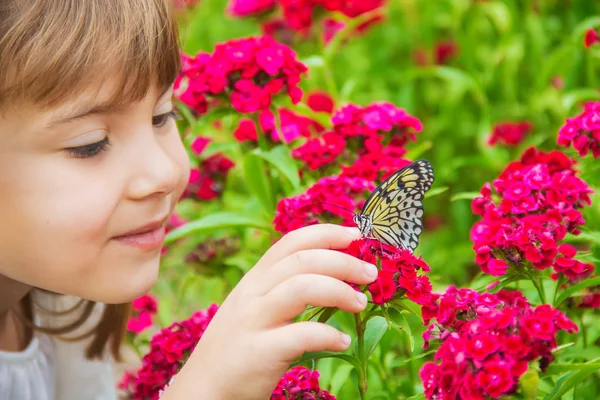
<point x="51" y="50"/>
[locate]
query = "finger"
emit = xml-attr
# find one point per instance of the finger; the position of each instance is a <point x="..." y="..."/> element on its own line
<point x="291" y="341"/>
<point x="320" y="236"/>
<point x="317" y="261"/>
<point x="290" y="298"/>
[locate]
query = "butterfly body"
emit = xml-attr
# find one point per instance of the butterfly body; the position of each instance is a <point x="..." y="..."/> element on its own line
<point x="393" y="212"/>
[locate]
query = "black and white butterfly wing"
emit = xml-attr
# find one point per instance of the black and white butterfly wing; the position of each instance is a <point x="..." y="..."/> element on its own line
<point x="395" y="208"/>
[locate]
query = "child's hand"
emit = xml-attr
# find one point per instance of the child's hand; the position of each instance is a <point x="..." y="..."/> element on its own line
<point x="251" y="340"/>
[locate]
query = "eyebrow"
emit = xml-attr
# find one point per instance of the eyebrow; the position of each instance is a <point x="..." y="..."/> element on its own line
<point x="87" y="110"/>
<point x="84" y="111"/>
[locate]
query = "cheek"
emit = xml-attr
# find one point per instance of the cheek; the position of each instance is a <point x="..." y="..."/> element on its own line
<point x="55" y="220"/>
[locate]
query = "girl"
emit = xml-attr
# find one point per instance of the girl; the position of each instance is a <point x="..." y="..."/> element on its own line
<point x="91" y="167"/>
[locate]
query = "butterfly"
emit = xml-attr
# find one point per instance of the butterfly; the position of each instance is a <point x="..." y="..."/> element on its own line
<point x="394" y="210"/>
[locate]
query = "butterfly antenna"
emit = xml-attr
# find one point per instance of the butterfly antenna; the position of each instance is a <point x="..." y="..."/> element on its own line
<point x="335" y="205"/>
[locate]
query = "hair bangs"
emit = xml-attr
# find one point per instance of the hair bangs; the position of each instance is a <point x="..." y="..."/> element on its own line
<point x="53" y="50"/>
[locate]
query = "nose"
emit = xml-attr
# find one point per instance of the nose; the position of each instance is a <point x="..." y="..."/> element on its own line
<point x="155" y="169"/>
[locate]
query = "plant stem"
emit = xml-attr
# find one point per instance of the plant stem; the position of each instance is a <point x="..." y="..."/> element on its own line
<point x="362" y="374"/>
<point x="539" y="287"/>
<point x="583" y="332"/>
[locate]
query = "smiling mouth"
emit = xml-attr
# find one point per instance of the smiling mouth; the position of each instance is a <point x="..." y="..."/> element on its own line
<point x="147" y="237"/>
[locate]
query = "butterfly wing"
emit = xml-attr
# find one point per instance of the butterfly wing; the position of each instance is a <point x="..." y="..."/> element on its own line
<point x="396" y="206"/>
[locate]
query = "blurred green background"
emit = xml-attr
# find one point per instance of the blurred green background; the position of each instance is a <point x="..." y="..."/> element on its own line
<point x="514" y="60"/>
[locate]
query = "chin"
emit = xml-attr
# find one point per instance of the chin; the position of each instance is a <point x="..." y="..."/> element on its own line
<point x="131" y="282"/>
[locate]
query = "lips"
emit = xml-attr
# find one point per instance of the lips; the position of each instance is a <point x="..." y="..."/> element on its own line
<point x="147" y="237"/>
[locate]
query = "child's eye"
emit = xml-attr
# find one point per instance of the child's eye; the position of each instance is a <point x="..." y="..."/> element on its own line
<point x="160" y="120"/>
<point x="89" y="150"/>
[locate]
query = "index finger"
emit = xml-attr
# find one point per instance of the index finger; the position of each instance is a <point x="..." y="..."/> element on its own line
<point x="320" y="236"/>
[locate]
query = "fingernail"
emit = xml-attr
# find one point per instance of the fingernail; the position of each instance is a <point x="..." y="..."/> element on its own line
<point x="346" y="340"/>
<point x="362" y="299"/>
<point x="371" y="270"/>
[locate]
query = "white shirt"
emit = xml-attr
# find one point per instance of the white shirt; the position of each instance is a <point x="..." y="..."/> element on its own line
<point x="54" y="369"/>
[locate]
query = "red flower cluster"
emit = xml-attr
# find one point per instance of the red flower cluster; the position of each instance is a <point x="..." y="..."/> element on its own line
<point x="206" y="182"/>
<point x="168" y="351"/>
<point x="510" y="133"/>
<point x="540" y="198"/>
<point x="318" y="152"/>
<point x="245" y="73"/>
<point x="374" y="120"/>
<point x="583" y="131"/>
<point x="487" y="341"/>
<point x="445" y="50"/>
<point x="300" y="383"/>
<point x="591" y="37"/>
<point x="298" y="15"/>
<point x="367" y="129"/>
<point x="143" y="309"/>
<point x="377" y="164"/>
<point x="308" y="208"/>
<point x="293" y="126"/>
<point x="398" y="275"/>
<point x="212" y="250"/>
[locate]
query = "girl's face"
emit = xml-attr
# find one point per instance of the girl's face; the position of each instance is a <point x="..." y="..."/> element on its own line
<point x="85" y="193"/>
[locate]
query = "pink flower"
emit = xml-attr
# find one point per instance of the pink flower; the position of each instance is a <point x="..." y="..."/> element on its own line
<point x="300" y="383"/>
<point x="169" y="350"/>
<point x="583" y="131"/>
<point x="206" y="182"/>
<point x="243" y="8"/>
<point x="308" y="208"/>
<point x="140" y="322"/>
<point x="143" y="308"/>
<point x="316" y="153"/>
<point x="486" y="342"/>
<point x="540" y="198"/>
<point x="383" y="288"/>
<point x="495" y="378"/>
<point x="199" y="144"/>
<point x="591" y="37"/>
<point x="246" y="131"/>
<point x="246" y="73"/>
<point x="320" y="102"/>
<point x="398" y="275"/>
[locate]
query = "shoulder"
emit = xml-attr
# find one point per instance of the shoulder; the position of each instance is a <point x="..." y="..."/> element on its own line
<point x="76" y="376"/>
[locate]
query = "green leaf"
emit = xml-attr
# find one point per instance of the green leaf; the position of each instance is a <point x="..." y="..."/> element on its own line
<point x="401" y="323"/>
<point x="355" y="362"/>
<point x="529" y="383"/>
<point x="409" y="306"/>
<point x="419" y="150"/>
<point x="576" y="288"/>
<point x="575" y="96"/>
<point x="376" y="328"/>
<point x="340" y="377"/>
<point x="556" y="369"/>
<point x="258" y="182"/>
<point x="435" y="192"/>
<point x="226" y="219"/>
<point x="327" y="313"/>
<point x="465" y="196"/>
<point x="570" y="380"/>
<point x="314" y="61"/>
<point x="215" y="147"/>
<point x="281" y="159"/>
